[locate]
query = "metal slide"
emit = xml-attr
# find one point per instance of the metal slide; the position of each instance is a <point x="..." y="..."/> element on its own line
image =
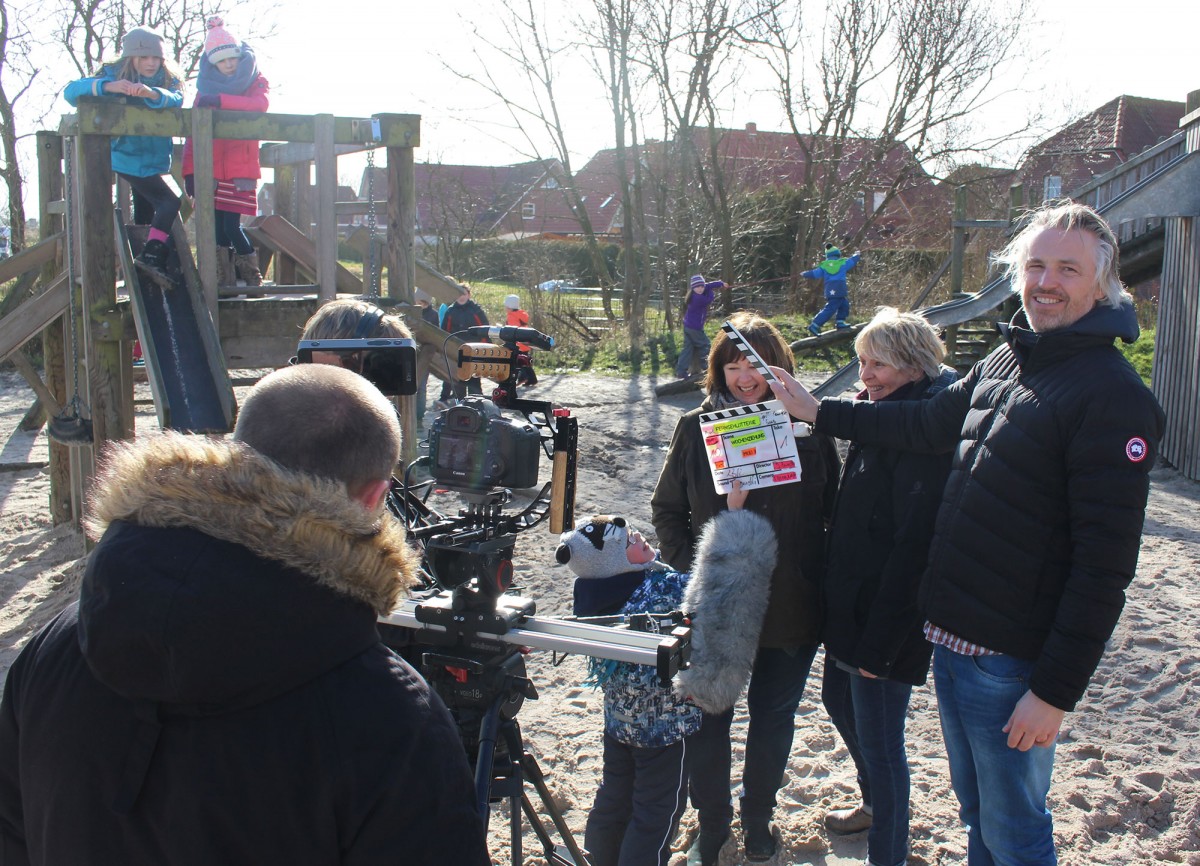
<point x="184" y="364"/>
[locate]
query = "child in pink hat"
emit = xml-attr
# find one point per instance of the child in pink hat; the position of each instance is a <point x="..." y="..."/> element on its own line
<point x="229" y="80"/>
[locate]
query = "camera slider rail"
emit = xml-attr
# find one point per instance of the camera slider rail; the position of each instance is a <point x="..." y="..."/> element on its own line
<point x="513" y="622"/>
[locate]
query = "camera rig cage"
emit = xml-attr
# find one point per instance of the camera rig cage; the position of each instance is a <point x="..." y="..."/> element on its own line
<point x="464" y="630"/>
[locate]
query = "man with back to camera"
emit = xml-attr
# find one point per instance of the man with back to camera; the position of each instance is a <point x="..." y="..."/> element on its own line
<point x="219" y="693"/>
<point x="1054" y="435"/>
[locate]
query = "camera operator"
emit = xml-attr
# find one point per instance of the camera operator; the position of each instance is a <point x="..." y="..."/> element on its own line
<point x="351" y="319"/>
<point x="219" y="693"/>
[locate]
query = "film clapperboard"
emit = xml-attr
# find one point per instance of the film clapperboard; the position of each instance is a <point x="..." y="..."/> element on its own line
<point x="755" y="443"/>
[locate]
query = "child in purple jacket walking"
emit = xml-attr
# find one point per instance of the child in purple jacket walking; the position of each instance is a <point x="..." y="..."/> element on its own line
<point x="695" y="341"/>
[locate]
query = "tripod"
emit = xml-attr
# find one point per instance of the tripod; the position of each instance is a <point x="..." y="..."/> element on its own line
<point x="489" y="676"/>
<point x="500" y="776"/>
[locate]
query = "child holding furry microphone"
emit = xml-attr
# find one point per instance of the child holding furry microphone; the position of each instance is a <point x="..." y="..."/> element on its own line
<point x="643" y="790"/>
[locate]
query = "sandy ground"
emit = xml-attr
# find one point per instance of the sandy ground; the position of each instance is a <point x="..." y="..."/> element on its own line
<point x="1127" y="780"/>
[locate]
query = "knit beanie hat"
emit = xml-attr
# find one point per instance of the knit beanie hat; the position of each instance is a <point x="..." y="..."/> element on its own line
<point x="512" y="302"/>
<point x="697" y="281"/>
<point x="219" y="44"/>
<point x="142" y="42"/>
<point x="832" y="252"/>
<point x="596" y="547"/>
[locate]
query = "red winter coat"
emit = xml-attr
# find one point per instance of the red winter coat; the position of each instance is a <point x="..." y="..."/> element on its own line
<point x="233" y="159"/>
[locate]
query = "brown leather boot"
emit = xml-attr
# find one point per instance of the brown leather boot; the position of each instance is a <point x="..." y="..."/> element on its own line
<point x="247" y="270"/>
<point x="225" y="277"/>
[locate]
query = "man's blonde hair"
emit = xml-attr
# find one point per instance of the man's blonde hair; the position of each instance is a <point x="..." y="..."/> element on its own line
<point x="1065" y="215"/>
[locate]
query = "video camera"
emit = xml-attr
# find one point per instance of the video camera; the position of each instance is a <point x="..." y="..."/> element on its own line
<point x="390" y="364"/>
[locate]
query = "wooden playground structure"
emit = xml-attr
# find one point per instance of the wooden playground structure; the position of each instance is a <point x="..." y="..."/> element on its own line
<point x="79" y="290"/>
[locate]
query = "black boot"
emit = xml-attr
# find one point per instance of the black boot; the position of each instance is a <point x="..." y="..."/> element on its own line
<point x="706" y="849"/>
<point x="758" y="837"/>
<point x="153" y="262"/>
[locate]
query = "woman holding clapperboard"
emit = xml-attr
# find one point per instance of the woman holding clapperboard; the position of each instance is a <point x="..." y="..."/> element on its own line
<point x="684" y="500"/>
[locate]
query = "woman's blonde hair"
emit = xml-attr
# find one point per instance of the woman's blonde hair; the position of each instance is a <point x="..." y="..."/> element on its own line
<point x="905" y="341"/>
<point x="759" y="333"/>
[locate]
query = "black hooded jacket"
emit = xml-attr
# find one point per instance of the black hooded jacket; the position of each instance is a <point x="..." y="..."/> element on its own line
<point x="219" y="693"/>
<point x="1038" y="532"/>
<point x="878" y="547"/>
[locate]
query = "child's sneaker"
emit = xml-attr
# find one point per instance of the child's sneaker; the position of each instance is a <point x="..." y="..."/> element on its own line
<point x="814" y="330"/>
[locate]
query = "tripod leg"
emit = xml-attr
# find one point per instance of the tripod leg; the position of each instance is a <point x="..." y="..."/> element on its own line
<point x="533" y="773"/>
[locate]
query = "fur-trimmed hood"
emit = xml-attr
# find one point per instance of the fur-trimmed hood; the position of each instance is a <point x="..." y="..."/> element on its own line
<point x="231" y="492"/>
<point x="222" y="580"/>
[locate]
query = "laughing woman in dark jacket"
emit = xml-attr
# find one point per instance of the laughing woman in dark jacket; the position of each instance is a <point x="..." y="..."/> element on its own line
<point x="684" y="500"/>
<point x="883" y="520"/>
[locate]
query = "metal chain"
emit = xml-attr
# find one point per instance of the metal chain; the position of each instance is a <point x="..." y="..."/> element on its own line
<point x="372" y="256"/>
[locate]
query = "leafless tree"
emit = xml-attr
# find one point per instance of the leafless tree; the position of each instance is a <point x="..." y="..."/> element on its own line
<point x="884" y="84"/>
<point x="90" y="31"/>
<point x="17" y="75"/>
<point x="525" y="47"/>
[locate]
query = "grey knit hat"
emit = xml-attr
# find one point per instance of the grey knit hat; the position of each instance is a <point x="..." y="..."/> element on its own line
<point x="142" y="42"/>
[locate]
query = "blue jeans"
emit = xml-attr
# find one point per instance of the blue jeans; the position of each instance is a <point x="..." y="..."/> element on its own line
<point x="1001" y="791"/>
<point x="870" y="715"/>
<point x="641" y="798"/>
<point x="695" y="341"/>
<point x="833" y="306"/>
<point x="776" y="686"/>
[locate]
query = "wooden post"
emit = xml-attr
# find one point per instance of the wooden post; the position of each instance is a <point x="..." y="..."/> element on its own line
<point x="206" y="219"/>
<point x="285" y="206"/>
<point x="304" y="192"/>
<point x="401" y="225"/>
<point x="326" y="234"/>
<point x="400" y="257"/>
<point x="50" y="189"/>
<point x="1016" y="202"/>
<point x="96" y="238"/>
<point x="958" y="240"/>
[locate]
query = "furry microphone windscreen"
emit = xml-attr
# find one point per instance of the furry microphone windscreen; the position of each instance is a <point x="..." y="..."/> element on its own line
<point x="727" y="598"/>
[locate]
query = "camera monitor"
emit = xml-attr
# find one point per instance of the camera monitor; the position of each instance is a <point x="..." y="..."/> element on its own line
<point x="389" y="363"/>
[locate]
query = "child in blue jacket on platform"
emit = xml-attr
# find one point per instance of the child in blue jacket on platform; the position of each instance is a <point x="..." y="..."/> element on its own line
<point x="837" y="301"/>
<point x="142" y="76"/>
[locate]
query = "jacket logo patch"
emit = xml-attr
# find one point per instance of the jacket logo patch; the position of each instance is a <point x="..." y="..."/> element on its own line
<point x="1136" y="450"/>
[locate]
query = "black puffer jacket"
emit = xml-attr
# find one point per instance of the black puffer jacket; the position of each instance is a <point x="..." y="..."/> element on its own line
<point x="1038" y="532"/>
<point x="220" y="695"/>
<point x="685" y="499"/>
<point x="878" y="548"/>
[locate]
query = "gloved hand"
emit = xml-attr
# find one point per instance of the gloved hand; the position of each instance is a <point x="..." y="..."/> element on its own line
<point x="189" y="185"/>
<point x="207" y="100"/>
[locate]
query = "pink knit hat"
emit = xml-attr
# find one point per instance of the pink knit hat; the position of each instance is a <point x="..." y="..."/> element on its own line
<point x="219" y="44"/>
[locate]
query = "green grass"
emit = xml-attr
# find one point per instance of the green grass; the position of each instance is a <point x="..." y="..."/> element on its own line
<point x="1140" y="354"/>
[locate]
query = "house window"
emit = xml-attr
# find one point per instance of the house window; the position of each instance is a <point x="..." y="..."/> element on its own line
<point x="860" y="200"/>
<point x="528" y="210"/>
<point x="1051" y="186"/>
<point x="879" y="199"/>
<point x="551" y="183"/>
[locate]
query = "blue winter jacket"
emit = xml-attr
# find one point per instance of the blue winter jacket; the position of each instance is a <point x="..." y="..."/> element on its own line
<point x="638" y="711"/>
<point x="134" y="155"/>
<point x="834" y="277"/>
